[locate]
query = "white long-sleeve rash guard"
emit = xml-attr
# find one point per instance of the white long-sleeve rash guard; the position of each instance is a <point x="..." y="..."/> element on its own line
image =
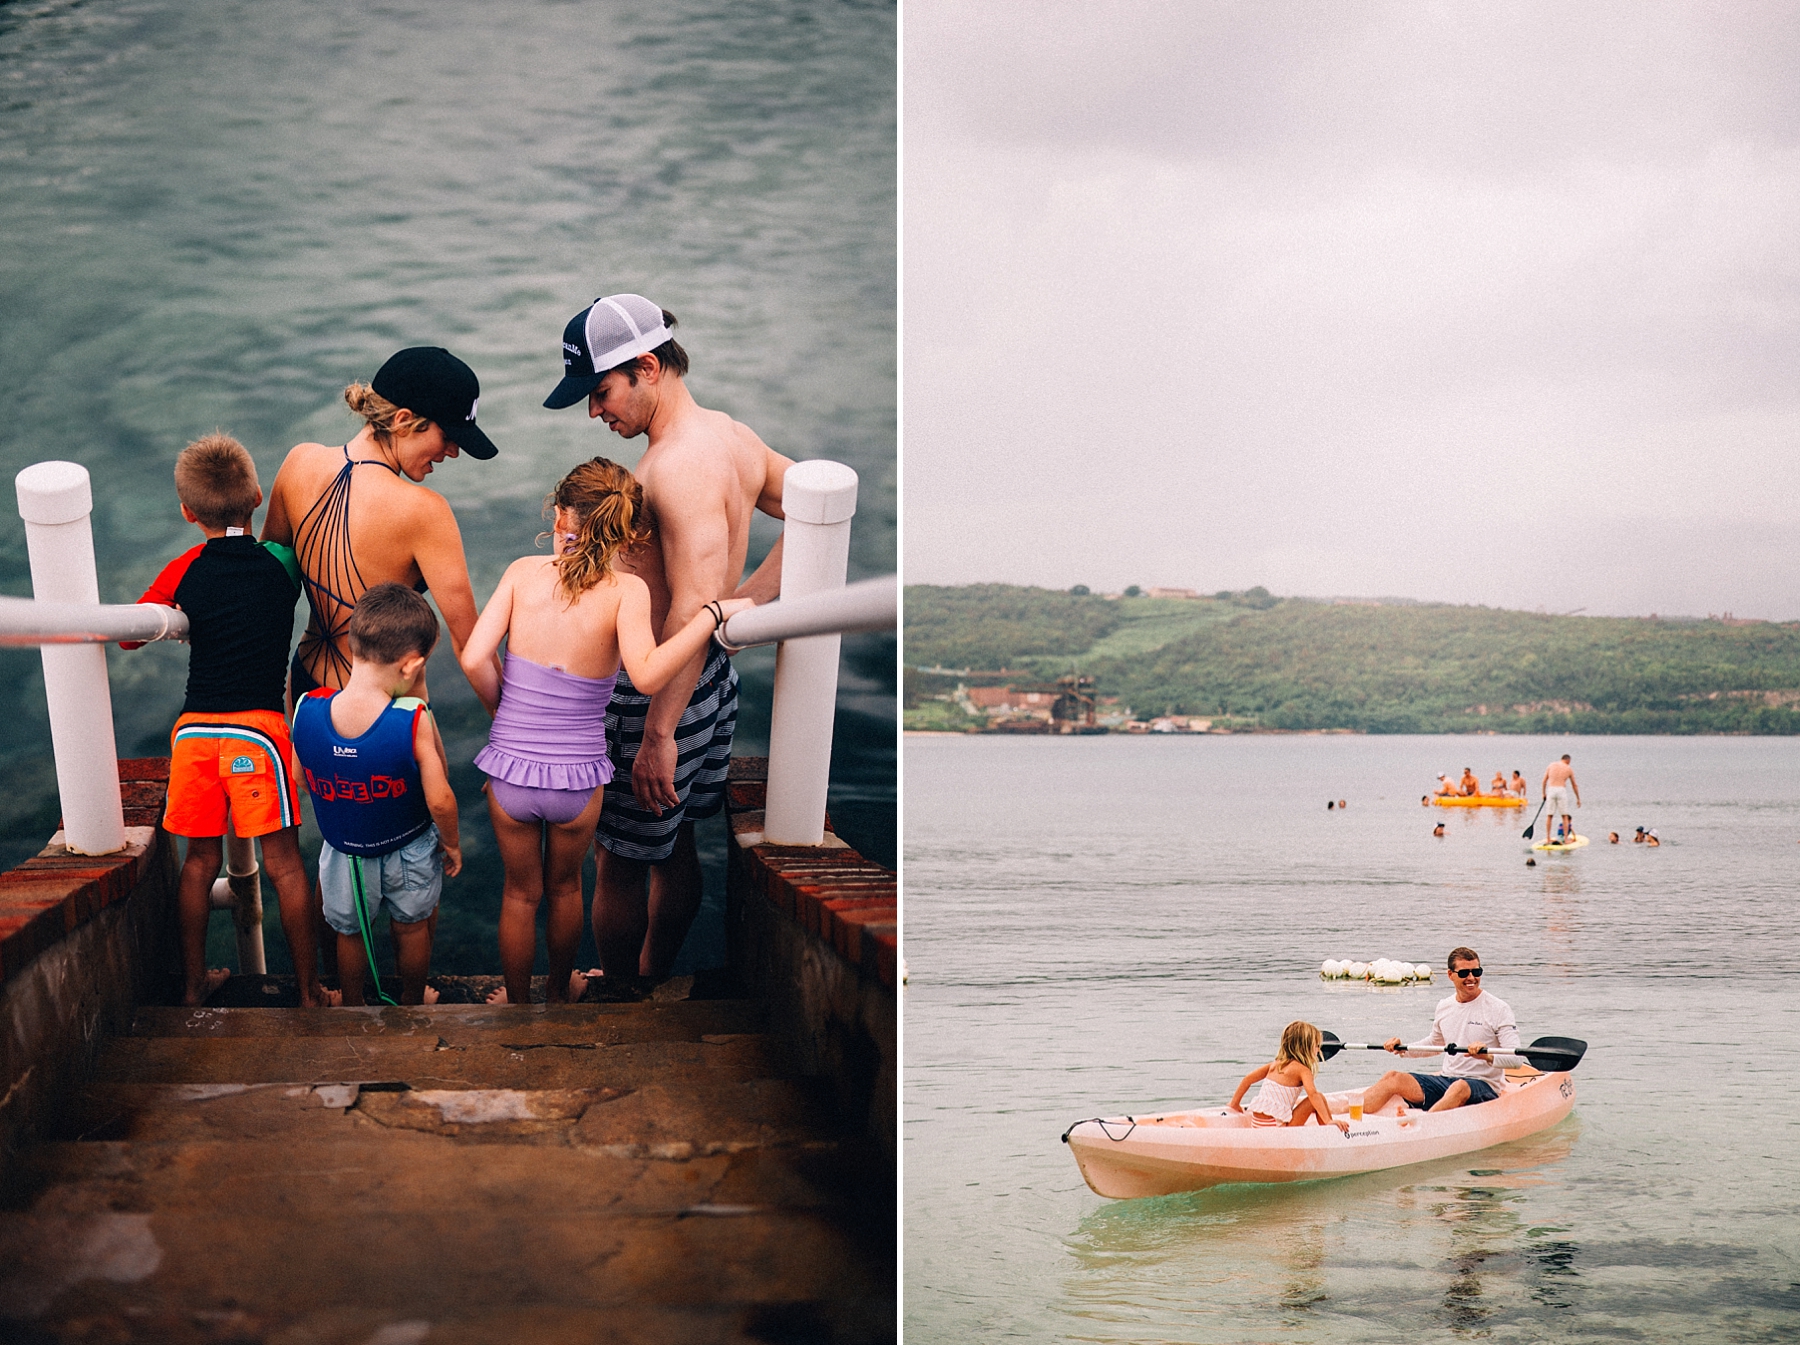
<point x="1486" y="1020"/>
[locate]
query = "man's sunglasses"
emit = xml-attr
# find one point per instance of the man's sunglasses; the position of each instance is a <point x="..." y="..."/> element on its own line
<point x="1466" y="972"/>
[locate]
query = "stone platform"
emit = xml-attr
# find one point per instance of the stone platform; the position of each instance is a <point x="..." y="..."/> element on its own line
<point x="675" y="1163"/>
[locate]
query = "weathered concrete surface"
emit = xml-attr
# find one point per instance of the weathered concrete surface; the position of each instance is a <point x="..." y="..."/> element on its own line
<point x="812" y="932"/>
<point x="644" y="1169"/>
<point x="508" y="1174"/>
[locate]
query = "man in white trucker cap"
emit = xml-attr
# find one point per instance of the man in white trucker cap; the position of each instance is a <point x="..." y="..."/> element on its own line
<point x="703" y="475"/>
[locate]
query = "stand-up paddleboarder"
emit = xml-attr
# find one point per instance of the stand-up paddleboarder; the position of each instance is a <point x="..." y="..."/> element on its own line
<point x="1559" y="783"/>
<point x="703" y="475"/>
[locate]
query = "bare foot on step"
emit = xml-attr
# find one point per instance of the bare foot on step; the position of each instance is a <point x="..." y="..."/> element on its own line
<point x="215" y="977"/>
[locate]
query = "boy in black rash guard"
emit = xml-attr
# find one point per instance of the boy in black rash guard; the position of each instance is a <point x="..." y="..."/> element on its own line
<point x="231" y="752"/>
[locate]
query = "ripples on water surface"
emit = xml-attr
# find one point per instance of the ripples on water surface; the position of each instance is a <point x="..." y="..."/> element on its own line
<point x="1104" y="925"/>
<point x="217" y="213"/>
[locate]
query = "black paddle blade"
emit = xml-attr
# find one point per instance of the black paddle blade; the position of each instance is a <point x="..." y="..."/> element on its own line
<point x="1331" y="1044"/>
<point x="1551" y="1054"/>
<point x="1534" y="817"/>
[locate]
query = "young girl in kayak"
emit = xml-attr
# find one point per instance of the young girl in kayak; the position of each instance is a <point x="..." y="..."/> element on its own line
<point x="570" y="621"/>
<point x="1288" y="1094"/>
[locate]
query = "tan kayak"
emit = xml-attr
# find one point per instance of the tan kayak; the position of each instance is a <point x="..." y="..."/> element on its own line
<point x="1128" y="1157"/>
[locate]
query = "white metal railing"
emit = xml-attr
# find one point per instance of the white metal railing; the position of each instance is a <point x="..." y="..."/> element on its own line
<point x="70" y="624"/>
<point x="28" y="621"/>
<point x="868" y="604"/>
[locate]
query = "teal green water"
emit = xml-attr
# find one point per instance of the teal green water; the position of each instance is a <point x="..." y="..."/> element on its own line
<point x="216" y="213"/>
<point x="1098" y="926"/>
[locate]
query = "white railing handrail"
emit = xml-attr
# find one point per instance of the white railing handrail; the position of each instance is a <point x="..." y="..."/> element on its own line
<point x="67" y="621"/>
<point x="868" y="604"/>
<point x="28" y="621"/>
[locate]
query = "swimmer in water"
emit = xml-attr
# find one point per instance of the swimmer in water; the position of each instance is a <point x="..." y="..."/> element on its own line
<point x="1438" y="830"/>
<point x="1612" y="838"/>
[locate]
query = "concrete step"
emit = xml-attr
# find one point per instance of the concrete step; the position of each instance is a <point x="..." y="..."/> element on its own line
<point x="417" y="1227"/>
<point x="464" y="1024"/>
<point x="338" y="1180"/>
<point x="172" y="1322"/>
<point x="669" y="1118"/>
<point x="430" y="1060"/>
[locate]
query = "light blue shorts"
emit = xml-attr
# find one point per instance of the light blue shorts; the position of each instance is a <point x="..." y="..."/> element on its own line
<point x="403" y="884"/>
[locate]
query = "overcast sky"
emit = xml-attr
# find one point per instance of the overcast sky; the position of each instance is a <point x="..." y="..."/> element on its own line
<point x="1480" y="303"/>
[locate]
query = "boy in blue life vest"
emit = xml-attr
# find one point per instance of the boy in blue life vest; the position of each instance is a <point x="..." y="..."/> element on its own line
<point x="374" y="765"/>
<point x="230" y="753"/>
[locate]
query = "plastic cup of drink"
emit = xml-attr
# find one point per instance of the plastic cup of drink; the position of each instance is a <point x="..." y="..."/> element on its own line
<point x="1356" y="1111"/>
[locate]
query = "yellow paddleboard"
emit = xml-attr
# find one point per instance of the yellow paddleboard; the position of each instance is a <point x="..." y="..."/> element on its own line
<point x="1574" y="843"/>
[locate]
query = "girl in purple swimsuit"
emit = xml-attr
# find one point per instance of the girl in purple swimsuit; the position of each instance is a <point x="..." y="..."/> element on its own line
<point x="569" y="620"/>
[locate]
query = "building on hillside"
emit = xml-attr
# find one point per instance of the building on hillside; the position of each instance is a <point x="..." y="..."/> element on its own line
<point x="1005" y="703"/>
<point x="1170" y="593"/>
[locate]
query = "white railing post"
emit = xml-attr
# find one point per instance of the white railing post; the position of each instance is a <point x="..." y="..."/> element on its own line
<point x="239" y="890"/>
<point x="55" y="501"/>
<point x="819" y="499"/>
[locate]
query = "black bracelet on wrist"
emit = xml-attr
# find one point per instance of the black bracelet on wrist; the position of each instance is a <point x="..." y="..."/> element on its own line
<point x="718" y="613"/>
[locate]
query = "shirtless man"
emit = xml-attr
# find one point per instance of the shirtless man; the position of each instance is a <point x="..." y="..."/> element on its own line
<point x="1518" y="786"/>
<point x="1470" y="785"/>
<point x="1559" y="781"/>
<point x="704" y="475"/>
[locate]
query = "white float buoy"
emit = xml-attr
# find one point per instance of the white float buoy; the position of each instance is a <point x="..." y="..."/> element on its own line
<point x="1422" y="971"/>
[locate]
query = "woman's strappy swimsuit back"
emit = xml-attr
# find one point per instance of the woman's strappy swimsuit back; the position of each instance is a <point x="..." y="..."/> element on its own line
<point x="328" y="569"/>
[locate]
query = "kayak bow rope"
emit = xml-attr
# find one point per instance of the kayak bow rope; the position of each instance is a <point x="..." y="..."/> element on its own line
<point x="1102" y="1122"/>
<point x="1550" y="1054"/>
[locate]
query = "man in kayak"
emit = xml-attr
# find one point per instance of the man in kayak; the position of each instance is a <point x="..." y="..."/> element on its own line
<point x="1559" y="780"/>
<point x="1471" y="1017"/>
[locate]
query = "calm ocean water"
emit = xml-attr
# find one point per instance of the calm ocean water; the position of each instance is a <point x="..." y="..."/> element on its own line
<point x="218" y="212"/>
<point x="1102" y="925"/>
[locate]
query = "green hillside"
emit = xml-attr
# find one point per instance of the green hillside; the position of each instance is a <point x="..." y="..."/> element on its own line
<point x="1388" y="669"/>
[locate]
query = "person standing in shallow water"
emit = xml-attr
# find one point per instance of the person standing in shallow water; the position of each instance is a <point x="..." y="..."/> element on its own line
<point x="704" y="475"/>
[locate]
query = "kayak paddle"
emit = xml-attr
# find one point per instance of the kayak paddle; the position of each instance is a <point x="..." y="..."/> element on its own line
<point x="1549" y="1054"/>
<point x="1534" y="817"/>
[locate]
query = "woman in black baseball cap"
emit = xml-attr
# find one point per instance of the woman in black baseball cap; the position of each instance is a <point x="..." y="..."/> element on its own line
<point x="418" y="410"/>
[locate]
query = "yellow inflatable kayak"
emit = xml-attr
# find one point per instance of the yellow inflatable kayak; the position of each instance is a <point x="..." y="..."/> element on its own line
<point x="1477" y="801"/>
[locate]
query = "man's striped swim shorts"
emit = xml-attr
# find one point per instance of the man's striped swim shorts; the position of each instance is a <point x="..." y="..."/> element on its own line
<point x="702" y="762"/>
<point x="242" y="761"/>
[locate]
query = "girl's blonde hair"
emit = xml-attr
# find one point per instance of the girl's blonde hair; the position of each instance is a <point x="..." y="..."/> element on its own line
<point x="1300" y="1043"/>
<point x="378" y="411"/>
<point x="608" y="504"/>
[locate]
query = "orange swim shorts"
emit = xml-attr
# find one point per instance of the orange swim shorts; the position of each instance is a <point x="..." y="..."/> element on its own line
<point x="242" y="760"/>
